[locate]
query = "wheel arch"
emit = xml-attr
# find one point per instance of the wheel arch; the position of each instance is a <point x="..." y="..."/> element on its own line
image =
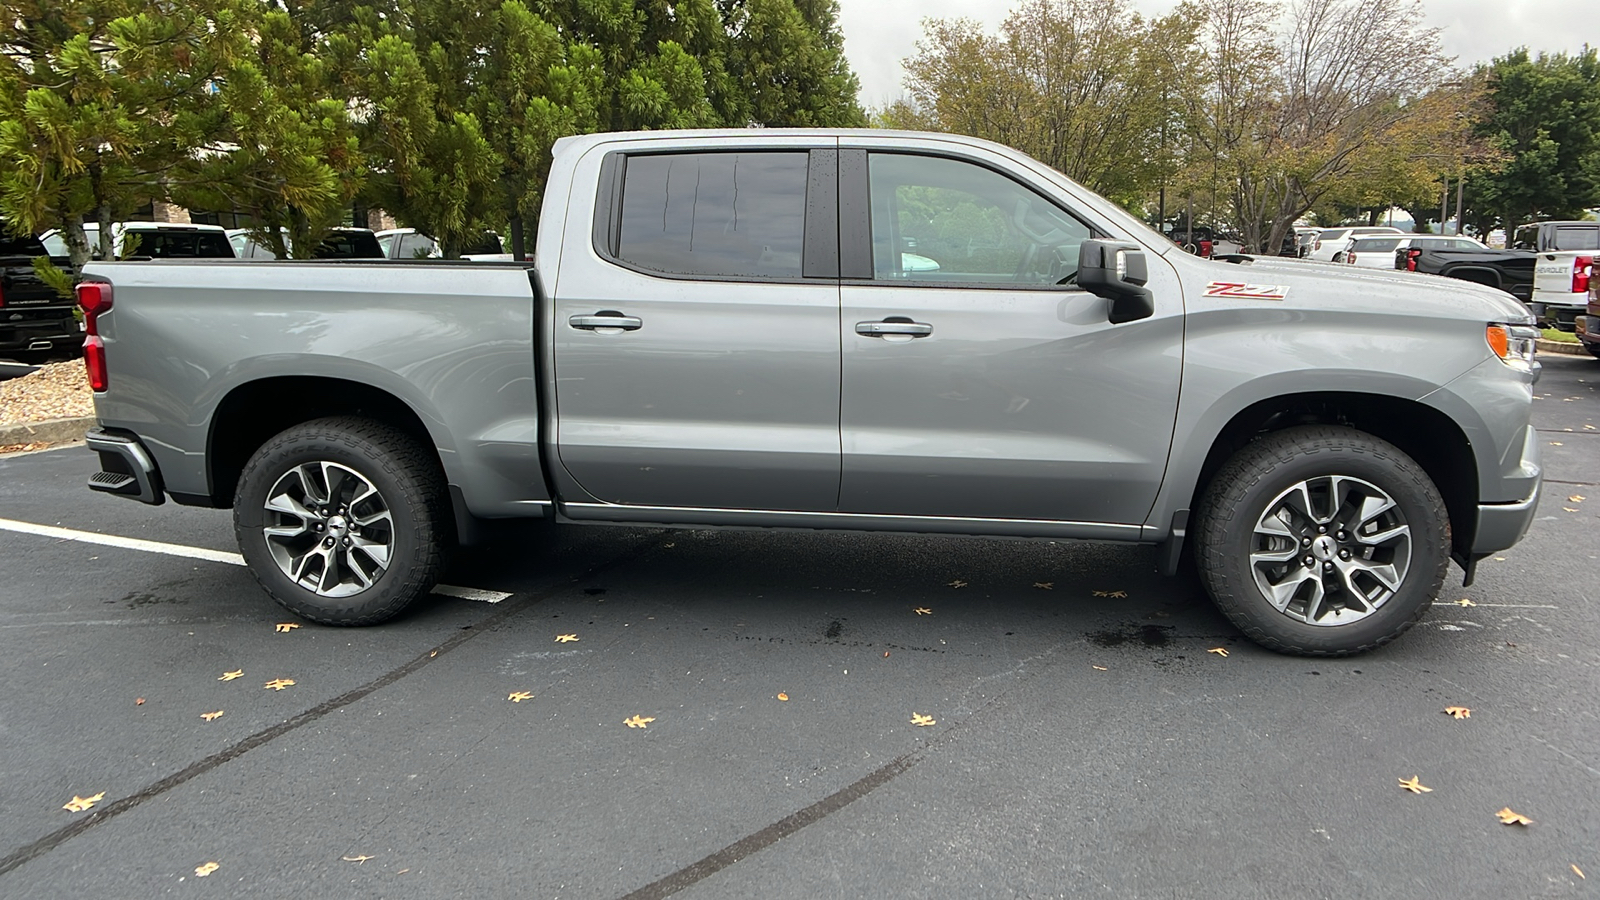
<point x="251" y="413"/>
<point x="1424" y="433"/>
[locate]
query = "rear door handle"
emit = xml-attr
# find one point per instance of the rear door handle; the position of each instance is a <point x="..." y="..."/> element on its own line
<point x="897" y="327"/>
<point x="607" y="321"/>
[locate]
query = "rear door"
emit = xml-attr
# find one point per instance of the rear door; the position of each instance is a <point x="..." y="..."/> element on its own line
<point x="978" y="381"/>
<point x="696" y="330"/>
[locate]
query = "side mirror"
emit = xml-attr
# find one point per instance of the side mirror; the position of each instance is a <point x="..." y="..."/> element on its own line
<point x="1116" y="270"/>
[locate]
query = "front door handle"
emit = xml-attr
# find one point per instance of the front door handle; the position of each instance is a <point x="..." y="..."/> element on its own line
<point x="897" y="327"/>
<point x="607" y="321"/>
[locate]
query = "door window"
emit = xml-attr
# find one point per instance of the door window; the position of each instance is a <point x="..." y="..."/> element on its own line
<point x="415" y="246"/>
<point x="738" y="215"/>
<point x="952" y="222"/>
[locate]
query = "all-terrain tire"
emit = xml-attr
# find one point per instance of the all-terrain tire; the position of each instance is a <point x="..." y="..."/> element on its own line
<point x="410" y="486"/>
<point x="1243" y="492"/>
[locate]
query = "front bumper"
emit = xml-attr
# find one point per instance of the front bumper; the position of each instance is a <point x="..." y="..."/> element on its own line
<point x="126" y="467"/>
<point x="1502" y="525"/>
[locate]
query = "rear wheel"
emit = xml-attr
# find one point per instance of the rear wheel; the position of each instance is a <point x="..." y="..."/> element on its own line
<point x="1322" y="541"/>
<point x="343" y="520"/>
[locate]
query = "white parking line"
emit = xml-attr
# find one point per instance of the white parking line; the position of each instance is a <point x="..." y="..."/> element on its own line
<point x="233" y="559"/>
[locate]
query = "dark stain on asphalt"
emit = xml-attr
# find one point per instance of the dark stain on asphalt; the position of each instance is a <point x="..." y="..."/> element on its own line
<point x="136" y="600"/>
<point x="594" y="592"/>
<point x="834" y="630"/>
<point x="1148" y="635"/>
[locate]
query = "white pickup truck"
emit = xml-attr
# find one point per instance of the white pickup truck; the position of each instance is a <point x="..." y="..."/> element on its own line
<point x="1563" y="269"/>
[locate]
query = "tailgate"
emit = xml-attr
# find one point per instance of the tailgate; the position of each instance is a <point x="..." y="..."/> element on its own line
<point x="1552" y="277"/>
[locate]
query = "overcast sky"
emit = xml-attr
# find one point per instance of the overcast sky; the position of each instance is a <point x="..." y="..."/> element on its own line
<point x="878" y="34"/>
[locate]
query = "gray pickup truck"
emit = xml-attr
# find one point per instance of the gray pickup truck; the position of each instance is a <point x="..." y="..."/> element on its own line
<point x="831" y="329"/>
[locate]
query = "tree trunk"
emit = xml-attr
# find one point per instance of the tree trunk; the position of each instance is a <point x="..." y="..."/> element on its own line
<point x="517" y="242"/>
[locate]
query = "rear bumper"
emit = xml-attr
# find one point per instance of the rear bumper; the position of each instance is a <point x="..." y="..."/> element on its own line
<point x="1589" y="329"/>
<point x="126" y="467"/>
<point x="36" y="332"/>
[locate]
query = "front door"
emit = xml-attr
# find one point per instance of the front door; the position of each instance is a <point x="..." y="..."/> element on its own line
<point x="978" y="382"/>
<point x="697" y="363"/>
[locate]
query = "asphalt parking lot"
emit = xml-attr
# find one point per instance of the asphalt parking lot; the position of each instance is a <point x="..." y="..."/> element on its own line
<point x="1081" y="745"/>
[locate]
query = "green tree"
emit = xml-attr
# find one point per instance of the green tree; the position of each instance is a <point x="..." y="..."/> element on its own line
<point x="1543" y="113"/>
<point x="99" y="101"/>
<point x="1083" y="85"/>
<point x="287" y="152"/>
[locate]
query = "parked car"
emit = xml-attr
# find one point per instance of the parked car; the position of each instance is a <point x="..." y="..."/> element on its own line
<point x="1297" y="242"/>
<point x="35" y="321"/>
<point x="150" y="240"/>
<point x="1329" y="244"/>
<point x="1464" y="258"/>
<point x="1327" y="439"/>
<point x="1588" y="325"/>
<point x="408" y="243"/>
<point x="1564" y="269"/>
<point x="341" y="243"/>
<point x="1199" y="240"/>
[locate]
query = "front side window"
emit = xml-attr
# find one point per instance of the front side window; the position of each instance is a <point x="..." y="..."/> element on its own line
<point x="717" y="214"/>
<point x="953" y="222"/>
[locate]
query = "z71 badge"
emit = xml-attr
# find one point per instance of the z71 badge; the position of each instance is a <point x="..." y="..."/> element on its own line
<point x="1246" y="291"/>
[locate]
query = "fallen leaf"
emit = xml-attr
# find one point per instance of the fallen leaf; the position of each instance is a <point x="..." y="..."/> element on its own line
<point x="669" y="545"/>
<point x="285" y="627"/>
<point x="1460" y="712"/>
<point x="79" y="804"/>
<point x="923" y="611"/>
<point x="1577" y="498"/>
<point x="885" y="654"/>
<point x="1588" y="428"/>
<point x="138" y="701"/>
<point x="784" y="697"/>
<point x="1415" y="785"/>
<point x="1579" y="872"/>
<point x="229" y="676"/>
<point x="922" y="721"/>
<point x="566" y="638"/>
<point x="278" y="684"/>
<point x="1116" y="595"/>
<point x="519" y="696"/>
<point x="1465" y="602"/>
<point x="958" y="583"/>
<point x="1499" y="559"/>
<point x="207" y="869"/>
<point x="432" y="654"/>
<point x="1220" y="651"/>
<point x="1101" y="668"/>
<point x="1557" y="444"/>
<point x="356" y="859"/>
<point x="1507" y="817"/>
<point x="1045" y="585"/>
<point x="638" y="721"/>
<point x="1569" y="509"/>
<point x="211" y="716"/>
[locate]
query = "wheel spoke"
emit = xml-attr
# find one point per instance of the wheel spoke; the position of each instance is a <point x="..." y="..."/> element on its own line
<point x="1274" y="556"/>
<point x="1383" y="537"/>
<point x="284" y="532"/>
<point x="375" y="551"/>
<point x="1284" y="591"/>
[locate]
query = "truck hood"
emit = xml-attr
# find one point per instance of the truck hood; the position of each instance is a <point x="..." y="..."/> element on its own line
<point x="1339" y="285"/>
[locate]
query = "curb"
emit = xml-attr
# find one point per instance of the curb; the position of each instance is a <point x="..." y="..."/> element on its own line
<point x="50" y="432"/>
<point x="1561" y="347"/>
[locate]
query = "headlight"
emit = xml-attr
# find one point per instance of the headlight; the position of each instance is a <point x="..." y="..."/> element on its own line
<point x="1514" y="344"/>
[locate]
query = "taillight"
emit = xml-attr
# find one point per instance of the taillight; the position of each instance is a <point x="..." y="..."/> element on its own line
<point x="1350" y="258"/>
<point x="94" y="298"/>
<point x="94" y="358"/>
<point x="1316" y="244"/>
<point x="1205" y="249"/>
<point x="2" y="297"/>
<point x="1411" y="258"/>
<point x="1582" y="268"/>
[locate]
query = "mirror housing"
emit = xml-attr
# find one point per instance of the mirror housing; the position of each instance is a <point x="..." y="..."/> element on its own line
<point x="1116" y="270"/>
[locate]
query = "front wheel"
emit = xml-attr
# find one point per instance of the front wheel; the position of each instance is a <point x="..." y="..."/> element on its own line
<point x="1322" y="541"/>
<point x="343" y="520"/>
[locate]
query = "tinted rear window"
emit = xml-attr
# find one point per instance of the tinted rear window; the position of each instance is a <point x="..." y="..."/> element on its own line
<point x="728" y="214"/>
<point x="21" y="246"/>
<point x="1374" y="245"/>
<point x="1577" y="238"/>
<point x="350" y="245"/>
<point x="1330" y="235"/>
<point x="166" y="244"/>
<point x="488" y="244"/>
